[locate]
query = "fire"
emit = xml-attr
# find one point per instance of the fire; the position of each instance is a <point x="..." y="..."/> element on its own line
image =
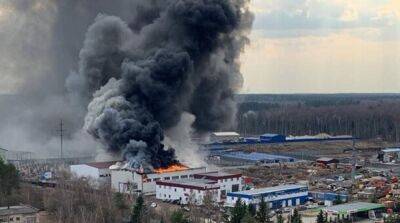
<point x="172" y="168"/>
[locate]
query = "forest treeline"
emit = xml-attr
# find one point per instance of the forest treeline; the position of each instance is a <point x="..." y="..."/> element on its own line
<point x="361" y="117"/>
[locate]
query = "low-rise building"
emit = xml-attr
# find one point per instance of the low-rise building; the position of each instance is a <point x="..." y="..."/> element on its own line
<point x="276" y="197"/>
<point x="128" y="180"/>
<point x="187" y="190"/>
<point x="98" y="171"/>
<point x="355" y="211"/>
<point x="19" y="214"/>
<point x="227" y="182"/>
<point x="220" y="137"/>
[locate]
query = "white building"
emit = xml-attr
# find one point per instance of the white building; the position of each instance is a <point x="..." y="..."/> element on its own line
<point x="224" y="137"/>
<point x="126" y="180"/>
<point x="98" y="171"/>
<point x="276" y="197"/>
<point x="227" y="182"/>
<point x="187" y="190"/>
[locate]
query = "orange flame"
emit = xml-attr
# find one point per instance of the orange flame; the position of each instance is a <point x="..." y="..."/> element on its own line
<point x="172" y="168"/>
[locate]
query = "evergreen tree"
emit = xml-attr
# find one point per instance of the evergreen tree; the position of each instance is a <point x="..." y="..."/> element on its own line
<point x="137" y="212"/>
<point x="9" y="180"/>
<point x="320" y="217"/>
<point x="179" y="217"/>
<point x="252" y="210"/>
<point x="279" y="219"/>
<point x="247" y="218"/>
<point x="296" y="217"/>
<point x="263" y="212"/>
<point x="239" y="211"/>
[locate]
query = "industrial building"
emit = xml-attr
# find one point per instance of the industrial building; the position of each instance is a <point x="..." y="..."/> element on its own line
<point x="254" y="157"/>
<point x="220" y="137"/>
<point x="328" y="197"/>
<point x="276" y="197"/>
<point x="19" y="214"/>
<point x="272" y="138"/>
<point x="217" y="184"/>
<point x="355" y="211"/>
<point x="227" y="182"/>
<point x="98" y="171"/>
<point x="187" y="190"/>
<point x="128" y="180"/>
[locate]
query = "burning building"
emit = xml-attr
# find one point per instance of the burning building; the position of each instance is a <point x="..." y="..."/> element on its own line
<point x="125" y="179"/>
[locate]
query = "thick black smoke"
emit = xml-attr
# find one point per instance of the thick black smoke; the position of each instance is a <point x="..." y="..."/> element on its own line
<point x="178" y="56"/>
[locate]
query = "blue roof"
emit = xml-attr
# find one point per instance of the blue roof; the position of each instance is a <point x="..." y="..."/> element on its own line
<point x="266" y="190"/>
<point x="270" y="135"/>
<point x="254" y="156"/>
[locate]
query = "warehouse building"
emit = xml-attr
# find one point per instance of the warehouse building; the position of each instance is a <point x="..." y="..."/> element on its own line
<point x="355" y="211"/>
<point x="328" y="197"/>
<point x="187" y="191"/>
<point x="272" y="138"/>
<point x="19" y="214"/>
<point x="128" y="180"/>
<point x="98" y="171"/>
<point x="220" y="137"/>
<point x="276" y="197"/>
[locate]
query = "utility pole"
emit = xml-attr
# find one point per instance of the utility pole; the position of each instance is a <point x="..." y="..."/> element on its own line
<point x="354" y="161"/>
<point x="61" y="130"/>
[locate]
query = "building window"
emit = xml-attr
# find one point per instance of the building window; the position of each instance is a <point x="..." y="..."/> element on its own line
<point x="175" y="177"/>
<point x="167" y="178"/>
<point x="184" y="177"/>
<point x="169" y="196"/>
<point x="175" y="189"/>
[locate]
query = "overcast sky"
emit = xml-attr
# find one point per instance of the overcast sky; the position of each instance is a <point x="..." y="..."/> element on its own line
<point x="297" y="46"/>
<point x="323" y="46"/>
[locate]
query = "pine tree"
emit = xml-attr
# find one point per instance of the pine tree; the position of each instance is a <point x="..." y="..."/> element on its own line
<point x="280" y="219"/>
<point x="263" y="212"/>
<point x="252" y="210"/>
<point x="239" y="211"/>
<point x="179" y="217"/>
<point x="296" y="217"/>
<point x="320" y="217"/>
<point x="137" y="212"/>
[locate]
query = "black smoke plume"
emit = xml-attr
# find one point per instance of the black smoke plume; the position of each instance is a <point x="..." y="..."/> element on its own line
<point x="140" y="75"/>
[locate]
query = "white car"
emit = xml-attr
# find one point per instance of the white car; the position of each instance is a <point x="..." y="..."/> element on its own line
<point x="153" y="205"/>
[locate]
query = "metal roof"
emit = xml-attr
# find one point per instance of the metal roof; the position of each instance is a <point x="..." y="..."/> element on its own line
<point x="353" y="207"/>
<point x="225" y="134"/>
<point x="391" y="150"/>
<point x="266" y="190"/>
<point x="255" y="156"/>
<point x="5" y="211"/>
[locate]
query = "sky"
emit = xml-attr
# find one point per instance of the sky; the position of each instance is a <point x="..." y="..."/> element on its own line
<point x="297" y="46"/>
<point x="323" y="46"/>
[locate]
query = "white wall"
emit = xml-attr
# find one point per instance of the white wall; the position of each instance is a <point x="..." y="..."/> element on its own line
<point x="164" y="192"/>
<point x="83" y="170"/>
<point x="150" y="185"/>
<point x="120" y="179"/>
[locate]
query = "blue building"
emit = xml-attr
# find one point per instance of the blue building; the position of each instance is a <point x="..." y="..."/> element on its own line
<point x="273" y="138"/>
<point x="276" y="197"/>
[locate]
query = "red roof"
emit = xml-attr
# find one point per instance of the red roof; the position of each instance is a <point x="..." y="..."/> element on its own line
<point x="101" y="165"/>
